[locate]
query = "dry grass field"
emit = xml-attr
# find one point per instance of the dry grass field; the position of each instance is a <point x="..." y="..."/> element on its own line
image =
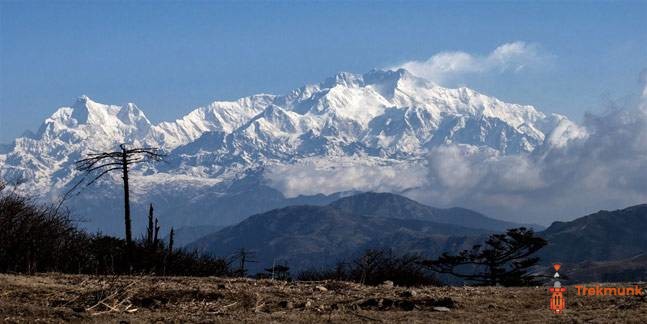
<point x="76" y="298"/>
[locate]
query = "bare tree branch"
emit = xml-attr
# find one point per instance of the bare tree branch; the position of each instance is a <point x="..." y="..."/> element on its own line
<point x="101" y="174"/>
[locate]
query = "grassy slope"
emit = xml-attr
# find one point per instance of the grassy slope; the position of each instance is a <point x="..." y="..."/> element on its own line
<point x="62" y="298"/>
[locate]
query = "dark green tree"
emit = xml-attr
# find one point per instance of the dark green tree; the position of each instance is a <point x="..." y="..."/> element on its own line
<point x="505" y="260"/>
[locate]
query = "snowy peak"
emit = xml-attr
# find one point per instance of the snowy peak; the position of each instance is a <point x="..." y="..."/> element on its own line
<point x="81" y="109"/>
<point x="387" y="82"/>
<point x="95" y="119"/>
<point x="129" y="114"/>
<point x="87" y="111"/>
<point x="221" y="116"/>
<point x="382" y="78"/>
<point x="345" y="79"/>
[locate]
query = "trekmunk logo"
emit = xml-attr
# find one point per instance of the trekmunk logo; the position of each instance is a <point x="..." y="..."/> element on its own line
<point x="557" y="301"/>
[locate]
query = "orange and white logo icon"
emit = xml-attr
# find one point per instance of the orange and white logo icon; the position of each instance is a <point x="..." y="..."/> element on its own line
<point x="557" y="301"/>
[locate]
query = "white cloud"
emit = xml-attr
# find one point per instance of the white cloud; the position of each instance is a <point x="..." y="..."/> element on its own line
<point x="313" y="176"/>
<point x="605" y="170"/>
<point x="446" y="66"/>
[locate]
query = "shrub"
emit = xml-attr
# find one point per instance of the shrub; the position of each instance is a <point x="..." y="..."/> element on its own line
<point x="35" y="237"/>
<point x="38" y="237"/>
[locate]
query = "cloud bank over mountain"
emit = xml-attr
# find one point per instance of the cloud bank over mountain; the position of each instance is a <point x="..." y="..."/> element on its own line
<point x="511" y="57"/>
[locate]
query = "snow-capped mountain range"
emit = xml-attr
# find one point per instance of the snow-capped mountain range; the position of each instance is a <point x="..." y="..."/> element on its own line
<point x="220" y="150"/>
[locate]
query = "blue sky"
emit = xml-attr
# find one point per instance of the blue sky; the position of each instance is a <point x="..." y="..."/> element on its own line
<point x="171" y="57"/>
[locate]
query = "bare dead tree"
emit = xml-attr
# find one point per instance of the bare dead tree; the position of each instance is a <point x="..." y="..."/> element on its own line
<point x="244" y="256"/>
<point x="152" y="230"/>
<point x="171" y="241"/>
<point x="156" y="233"/>
<point x="96" y="165"/>
<point x="279" y="271"/>
<point x="149" y="227"/>
<point x="169" y="252"/>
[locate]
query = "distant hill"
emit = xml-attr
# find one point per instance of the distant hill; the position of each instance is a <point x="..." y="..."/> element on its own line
<point x="395" y="206"/>
<point x="624" y="270"/>
<point x="602" y="236"/>
<point x="312" y="236"/>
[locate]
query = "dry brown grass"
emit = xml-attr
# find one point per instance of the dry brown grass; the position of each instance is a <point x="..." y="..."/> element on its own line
<point x="71" y="298"/>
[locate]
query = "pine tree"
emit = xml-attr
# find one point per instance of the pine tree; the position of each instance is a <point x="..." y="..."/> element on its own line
<point x="504" y="260"/>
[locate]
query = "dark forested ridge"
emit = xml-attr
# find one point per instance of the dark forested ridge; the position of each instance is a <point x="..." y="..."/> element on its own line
<point x="307" y="236"/>
<point x="602" y="236"/>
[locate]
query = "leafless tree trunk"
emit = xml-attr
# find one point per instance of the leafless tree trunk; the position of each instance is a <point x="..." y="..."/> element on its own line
<point x="124" y="166"/>
<point x="170" y="241"/>
<point x="244" y="256"/>
<point x="106" y="162"/>
<point x="149" y="228"/>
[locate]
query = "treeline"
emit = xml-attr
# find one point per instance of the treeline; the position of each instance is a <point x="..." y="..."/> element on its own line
<point x="503" y="259"/>
<point x="37" y="237"/>
<point x="374" y="267"/>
